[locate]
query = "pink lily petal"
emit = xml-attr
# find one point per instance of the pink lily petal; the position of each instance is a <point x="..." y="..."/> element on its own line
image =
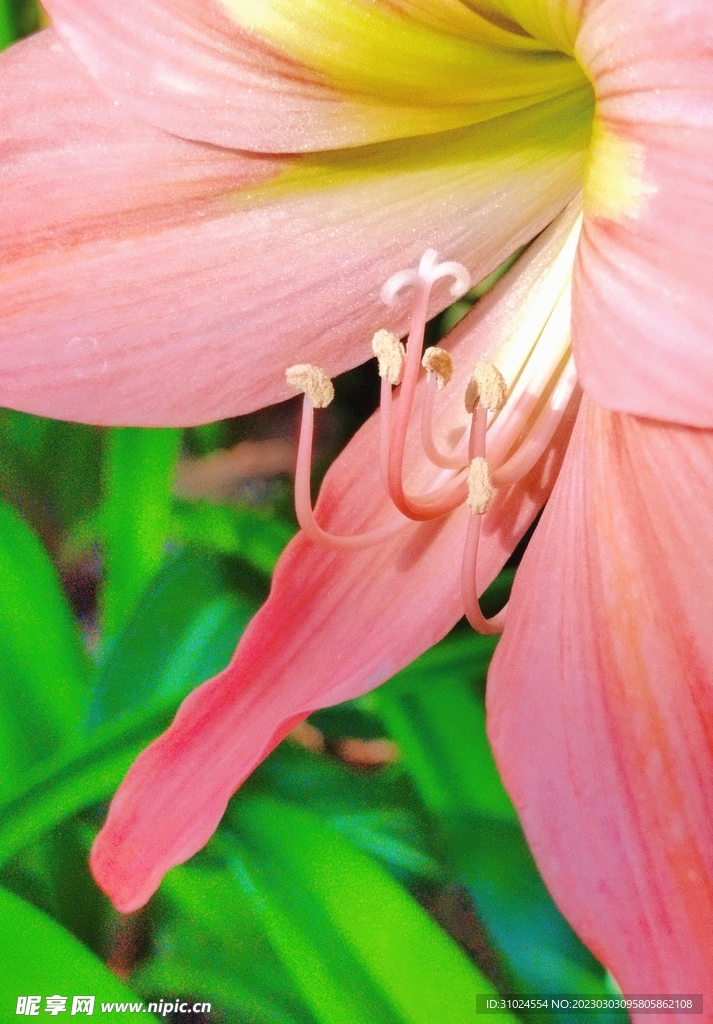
<point x="152" y="281"/>
<point x="196" y="70"/>
<point x="643" y="302"/>
<point x="198" y="74"/>
<point x="335" y="625"/>
<point x="600" y="698"/>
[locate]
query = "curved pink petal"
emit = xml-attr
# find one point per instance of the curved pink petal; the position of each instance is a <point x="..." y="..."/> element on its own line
<point x="191" y="69"/>
<point x="643" y="302"/>
<point x="600" y="699"/>
<point x="335" y="625"/>
<point x="152" y="281"/>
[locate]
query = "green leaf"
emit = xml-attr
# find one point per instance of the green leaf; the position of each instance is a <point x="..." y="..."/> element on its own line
<point x="231" y="999"/>
<point x="53" y="874"/>
<point x="248" y="533"/>
<point x="184" y="631"/>
<point x="359" y="948"/>
<point x="432" y="713"/>
<point x="136" y="515"/>
<point x="45" y="674"/>
<point x="50" y="469"/>
<point x="8" y="27"/>
<point x="26" y="16"/>
<point x="348" y="720"/>
<point x="169" y="648"/>
<point x="41" y="958"/>
<point x="210" y="941"/>
<point x="206" y="438"/>
<point x="54" y="792"/>
<point x="379" y="813"/>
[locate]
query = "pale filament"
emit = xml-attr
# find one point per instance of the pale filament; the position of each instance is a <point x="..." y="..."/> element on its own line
<point x="469" y="565"/>
<point x="513" y="354"/>
<point x="478" y="432"/>
<point x="538" y="439"/>
<point x="469" y="591"/>
<point x="384" y="431"/>
<point x="437" y="457"/>
<point x="540" y="368"/>
<point x="432" y="504"/>
<point x="303" y="499"/>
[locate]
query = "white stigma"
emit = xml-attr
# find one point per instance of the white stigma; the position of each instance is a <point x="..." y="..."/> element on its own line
<point x="429" y="271"/>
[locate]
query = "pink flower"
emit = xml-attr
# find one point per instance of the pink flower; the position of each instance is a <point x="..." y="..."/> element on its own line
<point x="168" y="254"/>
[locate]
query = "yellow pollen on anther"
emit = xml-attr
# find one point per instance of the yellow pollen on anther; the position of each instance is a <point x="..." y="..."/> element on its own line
<point x="311" y="381"/>
<point x="487" y="386"/>
<point x="437" y="360"/>
<point x="391" y="355"/>
<point x="480" y="486"/>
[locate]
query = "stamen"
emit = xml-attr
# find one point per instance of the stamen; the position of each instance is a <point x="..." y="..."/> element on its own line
<point x="437" y="361"/>
<point x="313" y="382"/>
<point x="487" y="386"/>
<point x="439" y="370"/>
<point x="391" y="354"/>
<point x="478" y="429"/>
<point x="486" y="392"/>
<point x="318" y="388"/>
<point x="384" y="430"/>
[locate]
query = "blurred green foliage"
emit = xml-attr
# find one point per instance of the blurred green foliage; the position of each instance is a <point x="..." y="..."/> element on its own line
<point x="18" y="18"/>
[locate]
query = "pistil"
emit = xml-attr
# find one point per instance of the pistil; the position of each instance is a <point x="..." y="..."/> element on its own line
<point x="442" y="500"/>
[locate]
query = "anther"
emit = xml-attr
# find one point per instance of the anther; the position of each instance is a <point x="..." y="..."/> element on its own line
<point x="487" y="386"/>
<point x="437" y="360"/>
<point x="480" y="486"/>
<point x="311" y="381"/>
<point x="391" y="354"/>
